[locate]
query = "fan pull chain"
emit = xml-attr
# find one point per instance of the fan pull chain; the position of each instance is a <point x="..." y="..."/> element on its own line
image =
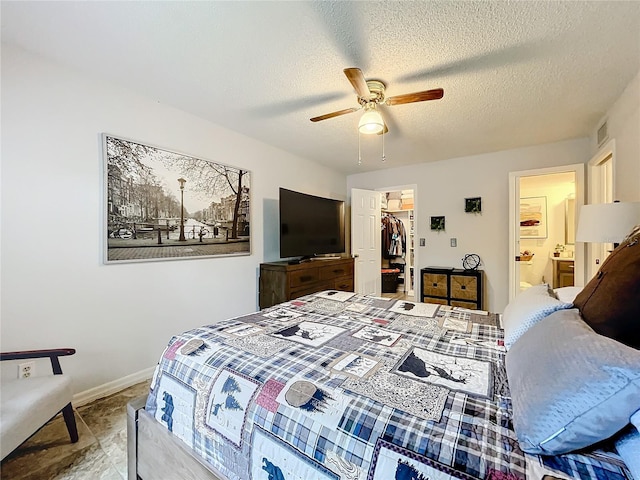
<point x="359" y="151"/>
<point x="384" y="157"/>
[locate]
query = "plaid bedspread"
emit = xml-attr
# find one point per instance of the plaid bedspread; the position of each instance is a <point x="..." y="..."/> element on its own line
<point x="337" y="385"/>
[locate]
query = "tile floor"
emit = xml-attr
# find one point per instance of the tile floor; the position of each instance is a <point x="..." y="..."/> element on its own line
<point x="99" y="454"/>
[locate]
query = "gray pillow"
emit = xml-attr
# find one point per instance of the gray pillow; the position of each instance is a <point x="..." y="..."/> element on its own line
<point x="570" y="386"/>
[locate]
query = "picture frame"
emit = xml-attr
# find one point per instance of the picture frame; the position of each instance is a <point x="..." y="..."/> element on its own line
<point x="163" y="205"/>
<point x="437" y="223"/>
<point x="533" y="217"/>
<point x="473" y="205"/>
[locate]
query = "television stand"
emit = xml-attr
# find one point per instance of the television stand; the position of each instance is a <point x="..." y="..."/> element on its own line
<point x="283" y="281"/>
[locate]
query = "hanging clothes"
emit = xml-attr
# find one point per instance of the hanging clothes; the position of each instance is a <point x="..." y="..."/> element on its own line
<point x="394" y="237"/>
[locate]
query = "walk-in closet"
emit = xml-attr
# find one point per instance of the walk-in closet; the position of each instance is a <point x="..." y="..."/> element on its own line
<point x="397" y="227"/>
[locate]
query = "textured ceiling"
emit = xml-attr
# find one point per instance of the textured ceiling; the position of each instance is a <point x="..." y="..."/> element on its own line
<point x="513" y="73"/>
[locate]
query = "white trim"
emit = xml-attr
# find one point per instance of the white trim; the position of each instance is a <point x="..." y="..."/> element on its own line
<point x="596" y="194"/>
<point x="110" y="388"/>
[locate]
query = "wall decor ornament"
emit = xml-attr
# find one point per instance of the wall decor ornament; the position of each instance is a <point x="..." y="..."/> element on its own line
<point x="533" y="217"/>
<point x="164" y="205"/>
<point x="437" y="223"/>
<point x="473" y="205"/>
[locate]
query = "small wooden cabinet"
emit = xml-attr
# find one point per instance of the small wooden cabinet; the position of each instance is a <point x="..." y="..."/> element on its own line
<point x="452" y="286"/>
<point x="280" y="282"/>
<point x="562" y="272"/>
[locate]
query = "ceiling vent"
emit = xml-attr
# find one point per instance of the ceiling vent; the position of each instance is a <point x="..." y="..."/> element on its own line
<point x="603" y="134"/>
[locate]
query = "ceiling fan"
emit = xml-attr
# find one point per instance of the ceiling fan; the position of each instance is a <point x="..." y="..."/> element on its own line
<point x="370" y="95"/>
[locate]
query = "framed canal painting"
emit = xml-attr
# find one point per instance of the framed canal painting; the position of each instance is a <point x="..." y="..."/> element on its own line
<point x="164" y="205"/>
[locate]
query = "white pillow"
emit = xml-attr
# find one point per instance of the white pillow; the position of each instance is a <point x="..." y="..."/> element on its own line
<point x="567" y="294"/>
<point x="527" y="309"/>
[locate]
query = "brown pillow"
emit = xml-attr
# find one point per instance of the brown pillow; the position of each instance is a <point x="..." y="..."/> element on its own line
<point x="610" y="302"/>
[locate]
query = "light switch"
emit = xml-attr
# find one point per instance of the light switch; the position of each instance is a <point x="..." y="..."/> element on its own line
<point x="454" y="242"/>
<point x="422" y="242"/>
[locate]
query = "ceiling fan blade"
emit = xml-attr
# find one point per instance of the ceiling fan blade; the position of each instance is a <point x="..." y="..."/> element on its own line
<point x="356" y="78"/>
<point x="435" y="94"/>
<point x="335" y="114"/>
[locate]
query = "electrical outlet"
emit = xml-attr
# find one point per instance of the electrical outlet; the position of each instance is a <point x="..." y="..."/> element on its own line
<point x="26" y="369"/>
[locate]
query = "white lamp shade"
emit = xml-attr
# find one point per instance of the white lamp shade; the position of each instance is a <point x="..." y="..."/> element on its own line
<point x="371" y="122"/>
<point x="607" y="222"/>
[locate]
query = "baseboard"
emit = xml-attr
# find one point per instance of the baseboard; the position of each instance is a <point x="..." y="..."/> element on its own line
<point x="110" y="388"/>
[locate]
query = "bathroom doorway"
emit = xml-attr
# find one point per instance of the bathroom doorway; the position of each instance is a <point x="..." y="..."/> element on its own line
<point x="543" y="206"/>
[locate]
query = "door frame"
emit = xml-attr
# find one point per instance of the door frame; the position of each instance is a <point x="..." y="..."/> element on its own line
<point x="601" y="189"/>
<point x="514" y="221"/>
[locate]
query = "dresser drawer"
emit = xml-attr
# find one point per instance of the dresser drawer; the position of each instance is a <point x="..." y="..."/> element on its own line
<point x="300" y="278"/>
<point x="312" y="288"/>
<point x="434" y="284"/>
<point x="334" y="271"/>
<point x="344" y="284"/>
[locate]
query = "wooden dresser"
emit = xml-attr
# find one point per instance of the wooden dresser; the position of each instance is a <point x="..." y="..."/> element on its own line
<point x="280" y="282"/>
<point x="452" y="286"/>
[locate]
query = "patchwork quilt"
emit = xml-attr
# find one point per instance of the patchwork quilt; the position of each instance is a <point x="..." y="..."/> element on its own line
<point x="337" y="385"/>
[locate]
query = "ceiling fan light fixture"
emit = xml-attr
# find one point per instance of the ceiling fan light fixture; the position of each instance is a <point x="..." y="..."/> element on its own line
<point x="371" y="121"/>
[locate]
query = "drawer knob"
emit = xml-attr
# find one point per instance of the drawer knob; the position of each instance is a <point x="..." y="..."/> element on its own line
<point x="306" y="278"/>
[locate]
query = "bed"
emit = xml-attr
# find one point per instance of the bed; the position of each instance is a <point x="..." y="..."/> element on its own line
<point x="337" y="385"/>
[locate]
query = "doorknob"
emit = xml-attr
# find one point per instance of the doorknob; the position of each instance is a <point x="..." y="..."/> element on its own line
<point x="355" y="255"/>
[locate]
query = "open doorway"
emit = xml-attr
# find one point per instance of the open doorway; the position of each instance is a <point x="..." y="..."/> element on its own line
<point x="543" y="205"/>
<point x="397" y="243"/>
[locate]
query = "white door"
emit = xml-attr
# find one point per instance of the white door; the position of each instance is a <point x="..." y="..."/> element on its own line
<point x="365" y="240"/>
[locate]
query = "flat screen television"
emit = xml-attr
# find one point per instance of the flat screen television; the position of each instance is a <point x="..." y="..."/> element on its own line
<point x="310" y="225"/>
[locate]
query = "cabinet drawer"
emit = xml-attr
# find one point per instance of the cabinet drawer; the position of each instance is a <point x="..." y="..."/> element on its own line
<point x="344" y="284"/>
<point x="434" y="284"/>
<point x="464" y="287"/>
<point x="333" y="271"/>
<point x="439" y="301"/>
<point x="304" y="277"/>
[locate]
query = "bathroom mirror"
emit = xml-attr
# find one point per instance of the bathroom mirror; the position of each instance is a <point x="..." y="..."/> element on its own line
<point x="570" y="221"/>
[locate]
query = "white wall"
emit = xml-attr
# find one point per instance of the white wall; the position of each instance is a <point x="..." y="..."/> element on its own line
<point x="623" y="120"/>
<point x="55" y="290"/>
<point x="441" y="190"/>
